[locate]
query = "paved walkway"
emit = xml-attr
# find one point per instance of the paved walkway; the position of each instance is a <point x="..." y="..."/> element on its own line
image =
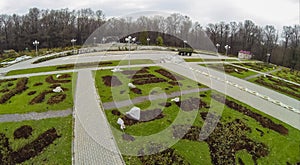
<point x="119" y="104"/>
<point x="93" y="142"/>
<point x="34" y="116"/>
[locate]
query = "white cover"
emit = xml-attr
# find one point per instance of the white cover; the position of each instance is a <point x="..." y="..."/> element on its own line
<point x="57" y="76"/>
<point x="121" y="123"/>
<point x="130" y="85"/>
<point x="116" y="69"/>
<point x="58" y="89"/>
<point x="176" y="99"/>
<point x="135" y="112"/>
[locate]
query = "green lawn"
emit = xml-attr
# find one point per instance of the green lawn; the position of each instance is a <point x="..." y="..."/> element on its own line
<point x="77" y="66"/>
<point x="59" y="152"/>
<point x="279" y="86"/>
<point x="286" y="73"/>
<point x="123" y="92"/>
<point x="281" y="148"/>
<point x="262" y="67"/>
<point x="208" y="60"/>
<point x="229" y="69"/>
<point x="20" y="103"/>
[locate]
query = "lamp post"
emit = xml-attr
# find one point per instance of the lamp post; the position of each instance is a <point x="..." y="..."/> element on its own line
<point x="95" y="38"/>
<point x="129" y="39"/>
<point x="103" y="40"/>
<point x="148" y="41"/>
<point x="36" y="43"/>
<point x="73" y="42"/>
<point x="217" y="45"/>
<point x="198" y="26"/>
<point x="227" y="47"/>
<point x="184" y="42"/>
<point x="268" y="58"/>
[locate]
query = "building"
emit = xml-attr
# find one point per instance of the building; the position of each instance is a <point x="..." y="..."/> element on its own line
<point x="244" y="55"/>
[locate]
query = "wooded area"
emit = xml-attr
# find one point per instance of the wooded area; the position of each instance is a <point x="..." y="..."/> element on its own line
<point x="55" y="28"/>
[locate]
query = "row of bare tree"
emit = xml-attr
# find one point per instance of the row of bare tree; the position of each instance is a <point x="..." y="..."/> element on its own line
<point x="55" y="28"/>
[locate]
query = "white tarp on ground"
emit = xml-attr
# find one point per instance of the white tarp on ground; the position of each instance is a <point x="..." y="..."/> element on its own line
<point x="57" y="76"/>
<point x="130" y="85"/>
<point x="58" y="90"/>
<point x="176" y="99"/>
<point x="116" y="69"/>
<point x="121" y="123"/>
<point x="135" y="113"/>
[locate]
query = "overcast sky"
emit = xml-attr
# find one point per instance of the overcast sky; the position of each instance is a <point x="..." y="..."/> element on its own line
<point x="262" y="12"/>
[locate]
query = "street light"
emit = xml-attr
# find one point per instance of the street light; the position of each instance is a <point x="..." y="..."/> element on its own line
<point x="217" y="45"/>
<point x="73" y="42"/>
<point x="268" y="58"/>
<point x="36" y="43"/>
<point x="129" y="39"/>
<point x="227" y="47"/>
<point x="148" y="41"/>
<point x="103" y="40"/>
<point x="95" y="38"/>
<point x="184" y="42"/>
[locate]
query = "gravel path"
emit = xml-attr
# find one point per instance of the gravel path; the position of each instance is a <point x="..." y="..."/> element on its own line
<point x="34" y="116"/>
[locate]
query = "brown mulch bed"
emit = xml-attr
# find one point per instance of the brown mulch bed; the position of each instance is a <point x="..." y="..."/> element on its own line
<point x="148" y="81"/>
<point x="64" y="76"/>
<point x="20" y="87"/>
<point x="264" y="121"/>
<point x="155" y="154"/>
<point x="116" y="112"/>
<point x="132" y="72"/>
<point x="111" y="81"/>
<point x="23" y="132"/>
<point x="36" y="147"/>
<point x="38" y="84"/>
<point x="40" y="98"/>
<point x="56" y="99"/>
<point x="136" y="91"/>
<point x="169" y="74"/>
<point x="51" y="80"/>
<point x="30" y="150"/>
<point x="31" y="93"/>
<point x="145" y="116"/>
<point x="4" y="90"/>
<point x="142" y="76"/>
<point x="225" y="140"/>
<point x="191" y="104"/>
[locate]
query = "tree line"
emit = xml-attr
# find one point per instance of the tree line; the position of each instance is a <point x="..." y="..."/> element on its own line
<point x="55" y="28"/>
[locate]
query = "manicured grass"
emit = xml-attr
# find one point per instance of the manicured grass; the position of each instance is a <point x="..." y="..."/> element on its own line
<point x="262" y="67"/>
<point x="287" y="74"/>
<point x="283" y="87"/>
<point x="32" y="70"/>
<point x="20" y="102"/>
<point x="208" y="60"/>
<point x="57" y="153"/>
<point x="123" y="92"/>
<point x="229" y="69"/>
<point x="282" y="148"/>
<point x="77" y="66"/>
